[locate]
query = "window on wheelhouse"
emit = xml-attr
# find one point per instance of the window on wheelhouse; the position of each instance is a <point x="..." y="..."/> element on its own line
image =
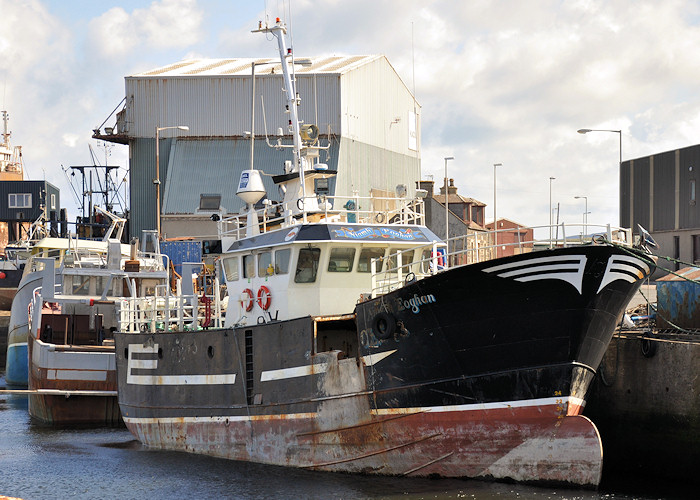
<point x="366" y="256"/>
<point x="265" y="264"/>
<point x="282" y="260"/>
<point x="230" y="265"/>
<point x="307" y="265"/>
<point x="341" y="260"/>
<point x="406" y="260"/>
<point x="249" y="266"/>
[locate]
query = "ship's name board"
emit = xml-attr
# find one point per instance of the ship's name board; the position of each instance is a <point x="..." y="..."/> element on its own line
<point x="379" y="233"/>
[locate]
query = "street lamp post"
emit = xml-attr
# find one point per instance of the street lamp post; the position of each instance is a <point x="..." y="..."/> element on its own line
<point x="619" y="132"/>
<point x="550" y="210"/>
<point x="156" y="181"/>
<point x="495" y="225"/>
<point x="585" y="213"/>
<point x="302" y="62"/>
<point x="447" y="203"/>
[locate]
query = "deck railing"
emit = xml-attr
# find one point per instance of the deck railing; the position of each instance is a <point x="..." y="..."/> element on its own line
<point x="165" y="312"/>
<point x="394" y="271"/>
<point x="331" y="209"/>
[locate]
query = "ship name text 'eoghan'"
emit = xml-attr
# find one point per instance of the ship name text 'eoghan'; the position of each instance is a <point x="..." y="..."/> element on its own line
<point x="415" y="302"/>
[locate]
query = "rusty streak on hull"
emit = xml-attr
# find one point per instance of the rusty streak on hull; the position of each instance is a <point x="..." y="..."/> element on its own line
<point x="508" y="443"/>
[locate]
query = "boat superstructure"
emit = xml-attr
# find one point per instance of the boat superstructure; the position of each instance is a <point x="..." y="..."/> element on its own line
<point x="356" y="341"/>
<point x="71" y="253"/>
<point x="11" y="167"/>
<point x="72" y="372"/>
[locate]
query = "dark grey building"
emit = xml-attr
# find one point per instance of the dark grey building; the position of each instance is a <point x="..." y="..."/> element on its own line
<point x="24" y="201"/>
<point x="659" y="192"/>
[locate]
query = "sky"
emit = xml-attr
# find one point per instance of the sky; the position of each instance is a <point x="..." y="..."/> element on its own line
<point x="499" y="81"/>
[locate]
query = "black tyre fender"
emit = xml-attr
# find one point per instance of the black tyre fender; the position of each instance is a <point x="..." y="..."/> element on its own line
<point x="384" y="325"/>
<point x="648" y="346"/>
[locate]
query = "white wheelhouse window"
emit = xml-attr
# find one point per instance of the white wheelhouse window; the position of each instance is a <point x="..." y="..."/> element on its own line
<point x="19" y="200"/>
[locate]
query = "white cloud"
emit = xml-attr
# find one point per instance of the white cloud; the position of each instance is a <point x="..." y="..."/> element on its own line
<point x="164" y="24"/>
<point x="499" y="81"/>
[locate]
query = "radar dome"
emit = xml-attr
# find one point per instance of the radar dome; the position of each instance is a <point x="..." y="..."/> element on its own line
<point x="250" y="187"/>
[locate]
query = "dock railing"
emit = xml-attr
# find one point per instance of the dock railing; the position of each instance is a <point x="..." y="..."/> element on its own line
<point x="397" y="269"/>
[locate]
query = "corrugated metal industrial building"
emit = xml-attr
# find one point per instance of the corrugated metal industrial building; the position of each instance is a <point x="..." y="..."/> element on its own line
<point x="363" y="110"/>
<point x="659" y="192"/>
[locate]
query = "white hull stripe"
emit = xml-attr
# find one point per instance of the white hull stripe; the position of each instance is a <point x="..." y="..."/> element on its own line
<point x="306" y="370"/>
<point x="91" y="375"/>
<point x="568" y="268"/>
<point x="394" y="411"/>
<point x="226" y="379"/>
<point x="623" y="267"/>
<point x="152" y="364"/>
<point x="266" y="376"/>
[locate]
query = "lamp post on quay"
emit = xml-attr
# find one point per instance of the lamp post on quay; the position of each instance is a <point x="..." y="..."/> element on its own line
<point x="156" y="181"/>
<point x="550" y="210"/>
<point x="618" y="132"/>
<point x="447" y="204"/>
<point x="585" y="213"/>
<point x="302" y="62"/>
<point x="495" y="225"/>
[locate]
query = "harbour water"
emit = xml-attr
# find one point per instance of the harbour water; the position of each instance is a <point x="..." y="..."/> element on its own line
<point x="42" y="463"/>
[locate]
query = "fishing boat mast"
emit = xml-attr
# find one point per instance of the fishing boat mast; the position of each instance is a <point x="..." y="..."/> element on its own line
<point x="279" y="30"/>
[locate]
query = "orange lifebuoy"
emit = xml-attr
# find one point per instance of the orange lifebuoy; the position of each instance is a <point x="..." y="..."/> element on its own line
<point x="264" y="298"/>
<point x="248" y="303"/>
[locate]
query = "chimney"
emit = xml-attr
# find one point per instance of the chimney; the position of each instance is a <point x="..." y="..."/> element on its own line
<point x="428" y="186"/>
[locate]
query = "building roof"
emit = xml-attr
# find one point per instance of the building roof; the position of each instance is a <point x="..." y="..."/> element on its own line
<point x="489" y="225"/>
<point x="458" y="198"/>
<point x="267" y="65"/>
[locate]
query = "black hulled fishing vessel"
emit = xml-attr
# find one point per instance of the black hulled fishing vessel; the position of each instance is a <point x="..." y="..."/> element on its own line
<point x="360" y="343"/>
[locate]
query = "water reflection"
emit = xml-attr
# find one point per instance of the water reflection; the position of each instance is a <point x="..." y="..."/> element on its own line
<point x="38" y="462"/>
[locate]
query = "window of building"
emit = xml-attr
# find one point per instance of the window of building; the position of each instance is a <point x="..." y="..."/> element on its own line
<point x="53" y="202"/>
<point x="692" y="191"/>
<point x="20" y="200"/>
<point x="341" y="260"/>
<point x="307" y="265"/>
<point x="282" y="260"/>
<point x="696" y="249"/>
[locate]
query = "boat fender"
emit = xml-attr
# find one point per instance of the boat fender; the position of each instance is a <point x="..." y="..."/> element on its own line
<point x="247" y="303"/>
<point x="264" y="298"/>
<point x="648" y="346"/>
<point x="384" y="325"/>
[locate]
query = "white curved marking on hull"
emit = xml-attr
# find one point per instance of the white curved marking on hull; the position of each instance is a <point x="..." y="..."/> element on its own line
<point x="619" y="268"/>
<point x="556" y="268"/>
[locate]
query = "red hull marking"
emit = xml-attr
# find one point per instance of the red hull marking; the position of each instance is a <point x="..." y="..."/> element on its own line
<point x="523" y="444"/>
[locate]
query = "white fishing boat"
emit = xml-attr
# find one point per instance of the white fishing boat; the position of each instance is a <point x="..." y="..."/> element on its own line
<point x="72" y="372"/>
